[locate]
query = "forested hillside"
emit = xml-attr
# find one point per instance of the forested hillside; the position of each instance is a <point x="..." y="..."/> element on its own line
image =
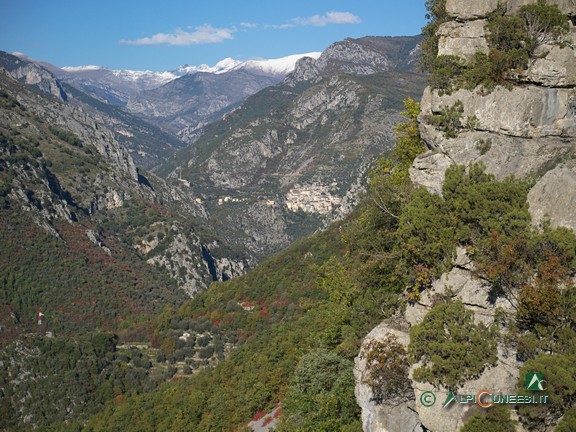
<point x="313" y="304"/>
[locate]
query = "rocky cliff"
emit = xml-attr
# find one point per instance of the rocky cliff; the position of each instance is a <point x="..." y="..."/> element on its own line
<point x="146" y="143"/>
<point x="32" y="75"/>
<point x="524" y="127"/>
<point x="363" y="56"/>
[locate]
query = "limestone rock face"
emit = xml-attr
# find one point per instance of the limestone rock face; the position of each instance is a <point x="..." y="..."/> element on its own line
<point x="428" y="171"/>
<point x="463" y="10"/>
<point x="305" y="70"/>
<point x="467" y="10"/>
<point x="567" y="7"/>
<point x="364" y="56"/>
<point x="33" y="75"/>
<point x="528" y="111"/>
<point x="389" y="416"/>
<point x="501" y="378"/>
<point x="462" y="39"/>
<point x="556" y="69"/>
<point x="553" y="198"/>
<point x="525" y="131"/>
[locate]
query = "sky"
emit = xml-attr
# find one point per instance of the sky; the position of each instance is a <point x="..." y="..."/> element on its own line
<point x="162" y="35"/>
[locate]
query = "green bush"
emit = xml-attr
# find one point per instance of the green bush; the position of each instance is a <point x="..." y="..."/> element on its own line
<point x="451" y="347"/>
<point x="568" y="422"/>
<point x="68" y="137"/>
<point x="483" y="145"/>
<point x="508" y="33"/>
<point x="429" y="46"/>
<point x="449" y="119"/>
<point x="444" y="70"/>
<point x="559" y="371"/>
<point x="321" y="395"/>
<point x="426" y="231"/>
<point x="495" y="419"/>
<point x="387" y="368"/>
<point x="482" y="205"/>
<point x="543" y="23"/>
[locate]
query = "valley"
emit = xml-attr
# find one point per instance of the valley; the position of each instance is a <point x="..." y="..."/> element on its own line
<point x="332" y="241"/>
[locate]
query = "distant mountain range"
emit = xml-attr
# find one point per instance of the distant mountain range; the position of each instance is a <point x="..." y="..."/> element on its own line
<point x="183" y="100"/>
<point x="117" y="86"/>
<point x="294" y="156"/>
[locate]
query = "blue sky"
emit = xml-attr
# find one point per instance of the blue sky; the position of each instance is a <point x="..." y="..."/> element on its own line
<point x="154" y="35"/>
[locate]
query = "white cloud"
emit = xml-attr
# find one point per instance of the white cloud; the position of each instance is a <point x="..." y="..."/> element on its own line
<point x="321" y="20"/>
<point x="248" y="25"/>
<point x="205" y="34"/>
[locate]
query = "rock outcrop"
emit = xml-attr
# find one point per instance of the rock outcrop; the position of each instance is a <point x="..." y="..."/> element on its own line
<point x="550" y="198"/>
<point x="398" y="414"/>
<point x="462" y="39"/>
<point x="32" y="75"/>
<point x="526" y="129"/>
<point x="409" y="414"/>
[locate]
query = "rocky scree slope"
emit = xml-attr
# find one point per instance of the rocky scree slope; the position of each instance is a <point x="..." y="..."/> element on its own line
<point x="293" y="156"/>
<point x="525" y="128"/>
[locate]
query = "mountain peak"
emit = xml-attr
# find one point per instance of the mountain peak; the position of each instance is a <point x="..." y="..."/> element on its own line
<point x="278" y="66"/>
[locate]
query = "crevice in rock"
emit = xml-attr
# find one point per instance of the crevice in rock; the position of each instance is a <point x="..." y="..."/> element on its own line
<point x="475" y="305"/>
<point x="210" y="262"/>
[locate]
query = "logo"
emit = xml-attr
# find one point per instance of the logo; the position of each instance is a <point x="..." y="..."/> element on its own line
<point x="534" y="381"/>
<point x="449" y="399"/>
<point x="428" y="399"/>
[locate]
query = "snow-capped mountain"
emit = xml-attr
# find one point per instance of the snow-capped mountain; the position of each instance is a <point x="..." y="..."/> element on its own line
<point x="280" y="66"/>
<point x="118" y="86"/>
<point x="148" y="79"/>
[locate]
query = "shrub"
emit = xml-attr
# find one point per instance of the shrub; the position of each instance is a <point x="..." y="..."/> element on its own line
<point x="495" y="419"/>
<point x="387" y="368"/>
<point x="508" y="33"/>
<point x="443" y="71"/>
<point x="472" y="122"/>
<point x="321" y="395"/>
<point x="449" y="119"/>
<point x="451" y="347"/>
<point x="426" y="232"/>
<point x="543" y="23"/>
<point x="429" y="46"/>
<point x="568" y="422"/>
<point x="484" y="145"/>
<point x="409" y="144"/>
<point x="559" y="371"/>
